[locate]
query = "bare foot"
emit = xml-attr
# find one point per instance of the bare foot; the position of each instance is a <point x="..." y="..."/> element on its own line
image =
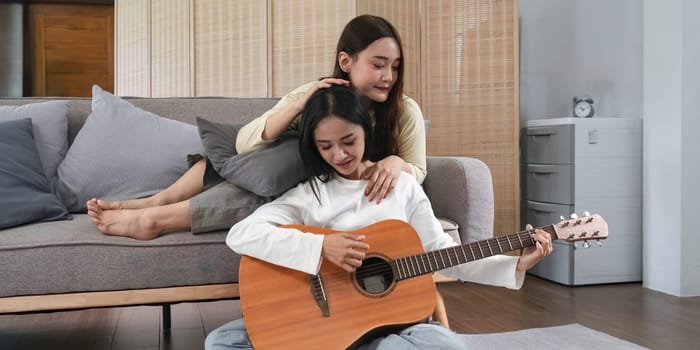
<point x="134" y="223"/>
<point x="123" y="204"/>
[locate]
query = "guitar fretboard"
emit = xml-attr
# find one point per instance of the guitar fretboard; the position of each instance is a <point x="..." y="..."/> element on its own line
<point x="420" y="264"/>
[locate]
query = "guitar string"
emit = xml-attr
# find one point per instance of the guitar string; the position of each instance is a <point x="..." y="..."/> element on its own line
<point x="456" y="252"/>
<point x="450" y="253"/>
<point x="385" y="268"/>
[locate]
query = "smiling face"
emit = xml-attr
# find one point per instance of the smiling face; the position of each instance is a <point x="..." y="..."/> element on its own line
<point x="341" y="144"/>
<point x="374" y="70"/>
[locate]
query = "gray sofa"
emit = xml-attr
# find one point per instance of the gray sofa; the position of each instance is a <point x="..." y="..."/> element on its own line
<point x="63" y="265"/>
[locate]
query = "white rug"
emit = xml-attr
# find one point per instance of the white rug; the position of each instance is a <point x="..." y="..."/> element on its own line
<point x="570" y="337"/>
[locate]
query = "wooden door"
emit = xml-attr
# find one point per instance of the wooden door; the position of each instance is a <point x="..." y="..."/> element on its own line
<point x="71" y="48"/>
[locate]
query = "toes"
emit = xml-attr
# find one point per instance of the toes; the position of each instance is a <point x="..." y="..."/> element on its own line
<point x="94" y="210"/>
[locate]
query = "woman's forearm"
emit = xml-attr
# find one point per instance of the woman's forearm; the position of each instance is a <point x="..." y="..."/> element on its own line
<point x="278" y="122"/>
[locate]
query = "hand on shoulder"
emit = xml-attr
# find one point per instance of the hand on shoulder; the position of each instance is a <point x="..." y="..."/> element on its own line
<point x="382" y="177"/>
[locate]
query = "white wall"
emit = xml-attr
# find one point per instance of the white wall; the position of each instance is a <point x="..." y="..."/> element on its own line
<point x="570" y="48"/>
<point x="634" y="58"/>
<point x="671" y="161"/>
<point x="662" y="145"/>
<point x="690" y="146"/>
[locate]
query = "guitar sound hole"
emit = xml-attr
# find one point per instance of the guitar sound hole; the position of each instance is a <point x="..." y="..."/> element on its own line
<point x="374" y="276"/>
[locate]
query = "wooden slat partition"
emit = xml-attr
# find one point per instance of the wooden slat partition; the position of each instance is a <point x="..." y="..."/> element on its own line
<point x="171" y="63"/>
<point x="470" y="91"/>
<point x="132" y="48"/>
<point x="230" y="48"/>
<point x="461" y="61"/>
<point x="304" y="37"/>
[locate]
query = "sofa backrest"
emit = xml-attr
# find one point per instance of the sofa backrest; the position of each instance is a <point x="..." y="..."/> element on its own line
<point x="186" y="109"/>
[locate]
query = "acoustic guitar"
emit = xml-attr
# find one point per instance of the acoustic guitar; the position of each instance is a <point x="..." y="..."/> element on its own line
<point x="288" y="309"/>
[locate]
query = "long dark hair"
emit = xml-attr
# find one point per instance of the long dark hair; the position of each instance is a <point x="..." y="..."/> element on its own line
<point x="337" y="101"/>
<point x="358" y="34"/>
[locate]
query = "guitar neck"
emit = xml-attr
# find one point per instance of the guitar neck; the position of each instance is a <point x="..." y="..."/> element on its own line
<point x="420" y="264"/>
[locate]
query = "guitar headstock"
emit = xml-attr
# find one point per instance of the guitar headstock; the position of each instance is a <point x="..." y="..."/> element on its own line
<point x="585" y="228"/>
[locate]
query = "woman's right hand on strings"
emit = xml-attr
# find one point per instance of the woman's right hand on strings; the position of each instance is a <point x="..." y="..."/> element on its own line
<point x="345" y="250"/>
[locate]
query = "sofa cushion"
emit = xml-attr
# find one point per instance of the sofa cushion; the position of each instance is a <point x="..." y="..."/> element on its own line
<point x="218" y="140"/>
<point x="123" y="152"/>
<point x="268" y="171"/>
<point x="73" y="256"/>
<point x="451" y="228"/>
<point x="25" y="192"/>
<point x="50" y="127"/>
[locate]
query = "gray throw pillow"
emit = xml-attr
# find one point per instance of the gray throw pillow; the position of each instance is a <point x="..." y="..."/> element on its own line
<point x="123" y="152"/>
<point x="268" y="171"/>
<point x="25" y="192"/>
<point x="50" y="127"/>
<point x="218" y="139"/>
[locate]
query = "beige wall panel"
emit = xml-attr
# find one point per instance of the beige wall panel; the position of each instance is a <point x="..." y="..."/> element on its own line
<point x="304" y="38"/>
<point x="230" y="48"/>
<point x="470" y="91"/>
<point x="171" y="62"/>
<point x="405" y="16"/>
<point x="132" y="48"/>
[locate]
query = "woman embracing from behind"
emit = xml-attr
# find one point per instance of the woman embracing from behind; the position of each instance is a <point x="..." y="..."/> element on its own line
<point x="369" y="59"/>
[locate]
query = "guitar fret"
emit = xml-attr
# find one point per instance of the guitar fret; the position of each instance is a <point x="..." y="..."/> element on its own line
<point x="448" y="258"/>
<point x="423" y="262"/>
<point x="437" y="264"/>
<point x="413" y="266"/>
<point x="472" y="250"/>
<point x="464" y="253"/>
<point x="500" y="249"/>
<point x="427" y="257"/>
<point x="480" y="250"/>
<point x="403" y="268"/>
<point x="510" y="245"/>
<point x="443" y="261"/>
<point x="521" y="241"/>
<point x="488" y="244"/>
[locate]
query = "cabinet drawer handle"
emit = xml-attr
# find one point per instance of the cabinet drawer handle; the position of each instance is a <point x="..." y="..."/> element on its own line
<point x="541" y="172"/>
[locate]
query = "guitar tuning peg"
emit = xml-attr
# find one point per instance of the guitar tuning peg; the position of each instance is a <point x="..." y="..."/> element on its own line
<point x="600" y="244"/>
<point x="586" y="213"/>
<point x="561" y="218"/>
<point x="574" y="216"/>
<point x="586" y="244"/>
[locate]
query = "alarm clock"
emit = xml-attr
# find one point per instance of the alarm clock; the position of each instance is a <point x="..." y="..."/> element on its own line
<point x="583" y="106"/>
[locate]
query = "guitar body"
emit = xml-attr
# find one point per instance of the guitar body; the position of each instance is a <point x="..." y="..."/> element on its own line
<point x="281" y="311"/>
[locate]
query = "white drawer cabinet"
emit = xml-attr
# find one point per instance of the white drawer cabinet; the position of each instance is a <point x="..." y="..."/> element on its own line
<point x="572" y="165"/>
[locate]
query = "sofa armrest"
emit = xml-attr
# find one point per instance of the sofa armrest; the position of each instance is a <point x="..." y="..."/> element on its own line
<point x="461" y="189"/>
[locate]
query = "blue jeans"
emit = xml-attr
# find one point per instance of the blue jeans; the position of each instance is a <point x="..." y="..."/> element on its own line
<point x="422" y="336"/>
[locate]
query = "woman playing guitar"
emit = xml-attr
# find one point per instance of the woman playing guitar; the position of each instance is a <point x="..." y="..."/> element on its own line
<point x="334" y="133"/>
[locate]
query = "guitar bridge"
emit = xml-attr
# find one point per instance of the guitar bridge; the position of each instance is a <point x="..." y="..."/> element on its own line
<point x="319" y="293"/>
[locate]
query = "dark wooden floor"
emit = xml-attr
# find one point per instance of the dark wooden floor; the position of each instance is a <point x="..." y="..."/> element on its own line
<point x="628" y="311"/>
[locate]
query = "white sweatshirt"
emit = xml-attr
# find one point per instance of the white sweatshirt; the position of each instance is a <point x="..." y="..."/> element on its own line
<point x="344" y="207"/>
